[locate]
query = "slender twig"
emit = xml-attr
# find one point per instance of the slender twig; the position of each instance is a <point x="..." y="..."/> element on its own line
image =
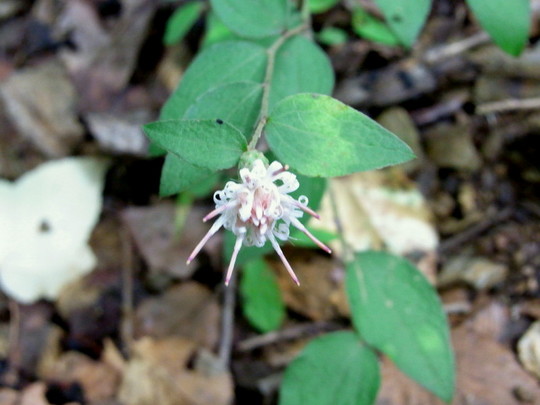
<point x="227" y="321"/>
<point x="474" y="231"/>
<point x="267" y="83"/>
<point x="14" y="332"/>
<point x="439" y="53"/>
<point x="294" y="332"/>
<point x="508" y="105"/>
<point x="127" y="292"/>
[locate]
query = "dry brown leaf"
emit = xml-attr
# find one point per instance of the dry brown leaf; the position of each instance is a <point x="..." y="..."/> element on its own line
<point x="103" y="61"/>
<point x="153" y="229"/>
<point x="321" y="295"/>
<point x="188" y="310"/>
<point x="41" y="103"/>
<point x="529" y="349"/>
<point x="8" y="396"/>
<point x="34" y="394"/>
<point x="479" y="272"/>
<point x="380" y="209"/>
<point x="98" y="379"/>
<point x="158" y="373"/>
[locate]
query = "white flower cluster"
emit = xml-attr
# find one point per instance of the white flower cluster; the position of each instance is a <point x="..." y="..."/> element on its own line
<point x="259" y="209"/>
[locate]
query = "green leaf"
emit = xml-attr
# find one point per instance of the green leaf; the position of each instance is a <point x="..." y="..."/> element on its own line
<point x="222" y="63"/>
<point x="398" y="312"/>
<point x="181" y="21"/>
<point x="313" y="188"/>
<point x="213" y="144"/>
<point x="236" y="103"/>
<point x="320" y="136"/>
<point x="369" y="27"/>
<point x="262" y="303"/>
<point x="320" y="6"/>
<point x="507" y="22"/>
<point x="178" y="175"/>
<point x="300" y="67"/>
<point x="406" y="17"/>
<point x="332" y="36"/>
<point x="253" y="18"/>
<point x="216" y="31"/>
<point x="333" y="369"/>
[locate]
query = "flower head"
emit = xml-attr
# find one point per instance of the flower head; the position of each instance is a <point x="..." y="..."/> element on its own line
<point x="257" y="209"/>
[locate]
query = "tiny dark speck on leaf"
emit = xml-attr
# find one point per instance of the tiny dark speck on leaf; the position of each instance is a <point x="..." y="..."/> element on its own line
<point x="396" y="18"/>
<point x="219" y="121"/>
<point x="315" y="95"/>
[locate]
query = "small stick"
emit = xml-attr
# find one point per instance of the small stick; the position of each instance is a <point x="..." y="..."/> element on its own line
<point x="513" y="104"/>
<point x="227" y="322"/>
<point x="294" y="332"/>
<point x="126" y="330"/>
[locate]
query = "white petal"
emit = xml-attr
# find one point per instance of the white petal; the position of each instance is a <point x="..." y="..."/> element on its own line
<point x="63" y="196"/>
<point x="44" y="272"/>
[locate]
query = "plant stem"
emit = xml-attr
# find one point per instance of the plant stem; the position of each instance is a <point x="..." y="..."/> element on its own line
<point x="271" y="54"/>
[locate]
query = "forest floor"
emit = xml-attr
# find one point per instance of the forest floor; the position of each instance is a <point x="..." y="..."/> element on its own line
<point x="80" y="77"/>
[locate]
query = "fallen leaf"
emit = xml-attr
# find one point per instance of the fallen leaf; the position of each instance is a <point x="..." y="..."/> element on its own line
<point x="452" y="146"/>
<point x="103" y="60"/>
<point x="188" y="310"/>
<point x="158" y="373"/>
<point x="529" y="349"/>
<point x="34" y="394"/>
<point x="40" y="102"/>
<point x="478" y="272"/>
<point x="379" y="209"/>
<point x="153" y="229"/>
<point x="321" y="295"/>
<point x="120" y="133"/>
<point x="99" y="380"/>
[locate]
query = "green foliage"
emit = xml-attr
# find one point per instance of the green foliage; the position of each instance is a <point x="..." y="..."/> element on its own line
<point x="397" y="311"/>
<point x="216" y="31"/>
<point x="369" y="27"/>
<point x="254" y="18"/>
<point x="181" y="21"/>
<point x="223" y="63"/>
<point x="212" y="144"/>
<point x="333" y="369"/>
<point x="313" y="188"/>
<point x="263" y="305"/>
<point x="406" y="17"/>
<point x="320" y="136"/>
<point x="178" y="175"/>
<point x="300" y="67"/>
<point x="507" y="22"/>
<point x="320" y="6"/>
<point x="332" y="36"/>
<point x="237" y="103"/>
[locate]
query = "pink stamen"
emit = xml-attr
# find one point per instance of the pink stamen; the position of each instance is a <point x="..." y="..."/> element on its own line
<point x="279" y="171"/>
<point x="278" y="250"/>
<point x="218" y="210"/>
<point x="237" y="246"/>
<point x="305" y="208"/>
<point x="300" y="226"/>
<point x="215" y="227"/>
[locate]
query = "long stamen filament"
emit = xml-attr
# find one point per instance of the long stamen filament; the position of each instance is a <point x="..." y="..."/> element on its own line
<point x="215" y="227"/>
<point x="300" y="226"/>
<point x="237" y="246"/>
<point x="279" y="252"/>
